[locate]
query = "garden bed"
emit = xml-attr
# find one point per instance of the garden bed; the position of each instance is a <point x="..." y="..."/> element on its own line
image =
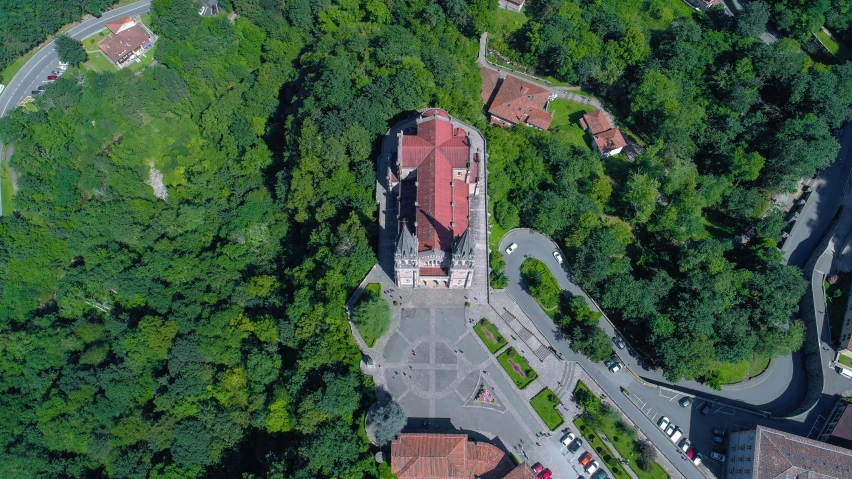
<point x="517" y="367"/>
<point x="542" y="285"/>
<point x="545" y="404"/>
<point x="489" y="335"/>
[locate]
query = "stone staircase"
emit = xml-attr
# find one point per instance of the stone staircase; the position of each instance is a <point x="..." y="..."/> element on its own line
<point x="538" y="349"/>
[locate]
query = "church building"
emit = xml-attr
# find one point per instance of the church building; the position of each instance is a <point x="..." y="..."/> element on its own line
<point x="433" y="177"/>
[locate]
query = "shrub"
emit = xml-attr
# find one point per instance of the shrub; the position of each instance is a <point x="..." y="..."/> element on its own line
<point x="647" y="455"/>
<point x="386" y="421"/>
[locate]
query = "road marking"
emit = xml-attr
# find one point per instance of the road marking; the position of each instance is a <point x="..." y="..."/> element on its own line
<point x="814" y="426"/>
<point x="720" y="410"/>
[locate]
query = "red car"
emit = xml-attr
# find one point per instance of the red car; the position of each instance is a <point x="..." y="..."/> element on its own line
<point x="541" y="471"/>
<point x="52" y="77"/>
<point x="586" y="458"/>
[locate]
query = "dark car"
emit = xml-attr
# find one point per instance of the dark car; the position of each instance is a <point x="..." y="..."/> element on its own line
<point x="36" y="92"/>
<point x="719" y="432"/>
<point x="601" y="474"/>
<point x="685" y="402"/>
<point x="618" y="342"/>
<point x="718" y="439"/>
<point x="575" y="446"/>
<point x="718" y="448"/>
<point x="705" y="409"/>
<point x="41" y="87"/>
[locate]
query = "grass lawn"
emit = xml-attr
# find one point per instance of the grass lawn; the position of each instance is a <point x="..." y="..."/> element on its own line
<point x="517" y="367"/>
<point x="844" y="360"/>
<point x="91" y="43"/>
<point x="737" y="372"/>
<point x="99" y="62"/>
<point x="603" y="451"/>
<point x="542" y="285"/>
<point x="838" y="50"/>
<point x="545" y="404"/>
<point x="566" y="114"/>
<point x="372" y="314"/>
<point x="146" y="59"/>
<point x="505" y="23"/>
<point x="624" y="445"/>
<point x="497" y="231"/>
<point x="489" y="335"/>
<point x="6" y="189"/>
<point x="837" y="295"/>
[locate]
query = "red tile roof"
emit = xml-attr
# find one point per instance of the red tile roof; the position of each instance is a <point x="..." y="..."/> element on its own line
<point x="783" y="455"/>
<point x="489" y="84"/>
<point x="517" y="101"/>
<point x="443" y="209"/>
<point x="432" y="272"/>
<point x="115" y="25"/>
<point x="118" y="47"/>
<point x="596" y="121"/>
<point x="445" y="456"/>
<point x="523" y="471"/>
<point x="610" y="140"/>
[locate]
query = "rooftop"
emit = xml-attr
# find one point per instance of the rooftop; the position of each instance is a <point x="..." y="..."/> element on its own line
<point x="841" y="436"/>
<point x="780" y="455"/>
<point x="446" y="456"/>
<point x="595" y="121"/>
<point x="519" y="101"/>
<point x="610" y="140"/>
<point x="118" y="47"/>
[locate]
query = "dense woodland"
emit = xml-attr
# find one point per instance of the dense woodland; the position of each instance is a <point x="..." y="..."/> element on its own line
<point x="200" y="332"/>
<point x="26" y="23"/>
<point x="727" y="121"/>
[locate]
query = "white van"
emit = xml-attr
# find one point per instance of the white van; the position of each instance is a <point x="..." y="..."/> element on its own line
<point x="678" y="433"/>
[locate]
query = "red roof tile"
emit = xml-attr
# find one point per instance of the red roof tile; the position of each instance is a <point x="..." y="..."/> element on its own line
<point x="115" y="25"/>
<point x="120" y="46"/>
<point x="523" y="471"/>
<point x="446" y="456"/>
<point x="516" y="100"/>
<point x="432" y="272"/>
<point x="610" y="140"/>
<point x="784" y="455"/>
<point x="489" y="84"/>
<point x="596" y="121"/>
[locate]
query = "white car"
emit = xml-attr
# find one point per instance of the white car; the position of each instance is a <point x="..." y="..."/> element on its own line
<point x="616" y="367"/>
<point x="557" y="256"/>
<point x="663" y="423"/>
<point x="592" y="467"/>
<point x="697" y="459"/>
<point x="63" y="64"/>
<point x="670" y="430"/>
<point x="512" y="247"/>
<point x="568" y="439"/>
<point x="684" y="445"/>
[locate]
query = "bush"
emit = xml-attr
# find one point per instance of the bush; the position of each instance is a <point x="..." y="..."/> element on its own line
<point x="386" y="421"/>
<point x="373" y="318"/>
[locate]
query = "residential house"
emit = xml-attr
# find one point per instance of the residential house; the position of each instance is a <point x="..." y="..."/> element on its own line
<point x="434" y="177"/>
<point x="120" y="25"/>
<point x="843" y="360"/>
<point x="606" y="140"/>
<point x="451" y="456"/>
<point x="837" y="430"/>
<point x="513" y="5"/>
<point x="511" y="101"/>
<point x="124" y="47"/>
<point x="764" y="453"/>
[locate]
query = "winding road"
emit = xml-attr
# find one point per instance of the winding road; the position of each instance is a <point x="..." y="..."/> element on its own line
<point x="36" y="70"/>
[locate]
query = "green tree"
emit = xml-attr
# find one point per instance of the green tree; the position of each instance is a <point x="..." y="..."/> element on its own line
<point x="69" y="50"/>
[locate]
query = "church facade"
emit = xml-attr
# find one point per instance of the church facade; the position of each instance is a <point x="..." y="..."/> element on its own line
<point x="433" y="178"/>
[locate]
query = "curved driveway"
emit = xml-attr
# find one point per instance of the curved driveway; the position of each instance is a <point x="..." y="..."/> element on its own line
<point x="35" y="72"/>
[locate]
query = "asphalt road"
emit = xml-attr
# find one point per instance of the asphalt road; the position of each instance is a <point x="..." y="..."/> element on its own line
<point x="35" y="72"/>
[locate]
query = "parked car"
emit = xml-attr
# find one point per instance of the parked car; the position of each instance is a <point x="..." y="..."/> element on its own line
<point x="512" y="247"/>
<point x="541" y="471"/>
<point x="56" y="72"/>
<point x="612" y="364"/>
<point x="718" y="439"/>
<point x="568" y="439"/>
<point x="557" y="256"/>
<point x="718" y="448"/>
<point x="670" y="430"/>
<point x="663" y="423"/>
<point x="36" y="92"/>
<point x="41" y="88"/>
<point x="705" y="409"/>
<point x="719" y="432"/>
<point x="618" y="342"/>
<point x="676" y="435"/>
<point x="719" y="457"/>
<point x="685" y="402"/>
<point x="601" y="474"/>
<point x="575" y="446"/>
<point x="63" y="64"/>
<point x="684" y="445"/>
<point x="697" y="459"/>
<point x="592" y="467"/>
<point x="52" y="77"/>
<point x="585" y="458"/>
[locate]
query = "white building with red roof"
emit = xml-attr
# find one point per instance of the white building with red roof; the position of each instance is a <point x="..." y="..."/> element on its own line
<point x="451" y="456"/>
<point x="435" y="174"/>
<point x="511" y="101"/>
<point x="606" y="140"/>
